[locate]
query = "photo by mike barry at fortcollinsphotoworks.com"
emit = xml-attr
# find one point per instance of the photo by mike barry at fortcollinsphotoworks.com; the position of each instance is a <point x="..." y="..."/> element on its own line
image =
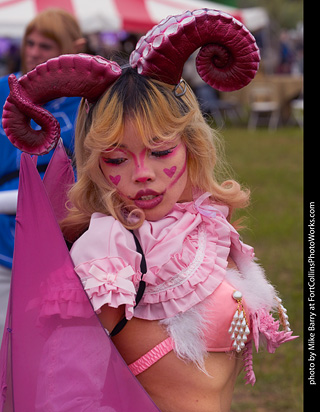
<point x="310" y="300"/>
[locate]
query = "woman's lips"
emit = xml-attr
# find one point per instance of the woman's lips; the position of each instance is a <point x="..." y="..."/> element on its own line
<point x="147" y="199"/>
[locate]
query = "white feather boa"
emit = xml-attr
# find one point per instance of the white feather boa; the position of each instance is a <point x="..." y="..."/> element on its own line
<point x="187" y="329"/>
<point x="250" y="279"/>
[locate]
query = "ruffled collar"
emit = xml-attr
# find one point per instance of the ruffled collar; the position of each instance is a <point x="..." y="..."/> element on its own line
<point x="203" y="205"/>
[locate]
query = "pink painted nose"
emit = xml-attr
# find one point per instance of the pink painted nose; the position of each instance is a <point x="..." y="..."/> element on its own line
<point x="142" y="179"/>
<point x="144" y="169"/>
<point x="143" y="174"/>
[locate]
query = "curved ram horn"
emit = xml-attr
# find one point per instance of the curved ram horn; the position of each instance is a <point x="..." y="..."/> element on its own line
<point x="17" y="112"/>
<point x="228" y="59"/>
<point x="67" y="75"/>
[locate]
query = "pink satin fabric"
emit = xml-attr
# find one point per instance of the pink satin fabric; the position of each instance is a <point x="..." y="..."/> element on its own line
<point x="151" y="357"/>
<point x="55" y="354"/>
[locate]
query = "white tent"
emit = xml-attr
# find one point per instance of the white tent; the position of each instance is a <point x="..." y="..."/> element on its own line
<point x="113" y="15"/>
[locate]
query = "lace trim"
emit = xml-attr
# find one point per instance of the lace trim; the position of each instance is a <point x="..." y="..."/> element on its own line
<point x="187" y="272"/>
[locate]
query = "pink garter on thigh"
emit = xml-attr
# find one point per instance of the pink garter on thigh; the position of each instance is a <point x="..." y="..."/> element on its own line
<point x="152" y="356"/>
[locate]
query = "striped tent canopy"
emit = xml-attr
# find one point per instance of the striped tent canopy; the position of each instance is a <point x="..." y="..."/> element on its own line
<point x="136" y="16"/>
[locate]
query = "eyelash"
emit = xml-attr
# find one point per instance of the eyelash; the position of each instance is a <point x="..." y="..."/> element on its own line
<point x="116" y="162"/>
<point x="162" y="153"/>
<point x="120" y="160"/>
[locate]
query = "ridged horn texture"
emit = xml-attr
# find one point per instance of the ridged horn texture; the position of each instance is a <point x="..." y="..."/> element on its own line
<point x="67" y="75"/>
<point x="228" y="59"/>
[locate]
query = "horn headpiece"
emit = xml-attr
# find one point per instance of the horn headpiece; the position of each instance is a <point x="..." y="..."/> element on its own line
<point x="228" y="60"/>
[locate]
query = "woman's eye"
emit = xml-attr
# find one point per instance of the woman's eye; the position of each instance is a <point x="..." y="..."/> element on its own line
<point x="117" y="161"/>
<point x="162" y="153"/>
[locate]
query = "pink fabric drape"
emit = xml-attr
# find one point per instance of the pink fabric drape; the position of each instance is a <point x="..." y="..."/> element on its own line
<point x="55" y="354"/>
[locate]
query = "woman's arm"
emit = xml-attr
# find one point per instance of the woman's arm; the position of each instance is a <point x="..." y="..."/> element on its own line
<point x="174" y="384"/>
<point x="136" y="338"/>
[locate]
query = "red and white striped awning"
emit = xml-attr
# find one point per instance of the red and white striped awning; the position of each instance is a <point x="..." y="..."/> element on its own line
<point x="113" y="15"/>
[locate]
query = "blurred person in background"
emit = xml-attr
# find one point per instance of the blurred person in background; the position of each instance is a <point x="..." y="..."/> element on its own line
<point x="50" y="34"/>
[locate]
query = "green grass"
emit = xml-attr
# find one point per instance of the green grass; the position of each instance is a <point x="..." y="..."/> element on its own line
<point x="270" y="164"/>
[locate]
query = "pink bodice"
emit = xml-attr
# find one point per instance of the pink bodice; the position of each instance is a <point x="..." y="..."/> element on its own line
<point x="187" y="279"/>
<point x="186" y="254"/>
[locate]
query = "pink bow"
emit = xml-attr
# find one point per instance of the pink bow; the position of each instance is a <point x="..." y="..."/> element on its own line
<point x="205" y="210"/>
<point x="121" y="279"/>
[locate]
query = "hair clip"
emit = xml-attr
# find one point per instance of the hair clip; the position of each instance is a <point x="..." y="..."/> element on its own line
<point x="183" y="86"/>
<point x="125" y="66"/>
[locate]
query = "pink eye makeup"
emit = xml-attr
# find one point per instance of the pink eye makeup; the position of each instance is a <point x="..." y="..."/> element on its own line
<point x="149" y="174"/>
<point x="142" y="170"/>
<point x="163" y="153"/>
<point x="114" y="157"/>
<point x="113" y="162"/>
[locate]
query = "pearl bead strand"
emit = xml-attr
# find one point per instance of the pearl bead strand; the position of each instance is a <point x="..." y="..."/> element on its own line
<point x="239" y="329"/>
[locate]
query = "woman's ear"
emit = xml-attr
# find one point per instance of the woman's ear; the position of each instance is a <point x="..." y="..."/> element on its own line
<point x="80" y="44"/>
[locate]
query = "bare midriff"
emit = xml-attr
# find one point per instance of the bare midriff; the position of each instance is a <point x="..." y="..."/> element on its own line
<point x="174" y="384"/>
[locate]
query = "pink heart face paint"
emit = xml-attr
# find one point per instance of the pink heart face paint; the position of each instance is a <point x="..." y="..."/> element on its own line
<point x="170" y="172"/>
<point x="150" y="178"/>
<point x="115" y="179"/>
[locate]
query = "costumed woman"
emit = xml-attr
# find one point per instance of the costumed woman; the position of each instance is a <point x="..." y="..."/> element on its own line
<point x="180" y="295"/>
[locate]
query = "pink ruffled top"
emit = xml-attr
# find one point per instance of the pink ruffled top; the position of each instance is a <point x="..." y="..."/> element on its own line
<point x="186" y="254"/>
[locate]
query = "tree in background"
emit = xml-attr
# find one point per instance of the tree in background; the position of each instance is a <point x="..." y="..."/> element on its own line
<point x="287" y="13"/>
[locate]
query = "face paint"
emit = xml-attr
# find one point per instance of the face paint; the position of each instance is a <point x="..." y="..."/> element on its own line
<point x="180" y="174"/>
<point x="115" y="179"/>
<point x="170" y="172"/>
<point x="153" y="178"/>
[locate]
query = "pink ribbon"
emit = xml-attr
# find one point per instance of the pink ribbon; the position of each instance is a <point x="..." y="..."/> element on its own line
<point x="205" y="210"/>
<point x="121" y="279"/>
